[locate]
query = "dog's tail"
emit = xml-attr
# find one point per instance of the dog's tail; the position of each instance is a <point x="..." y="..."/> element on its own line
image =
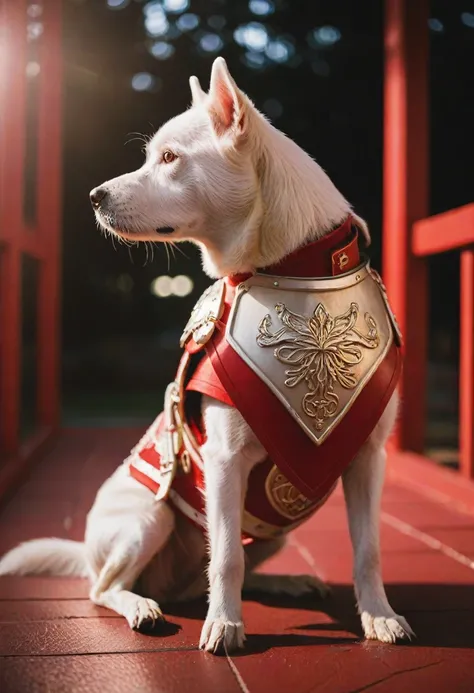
<point x="46" y="557"/>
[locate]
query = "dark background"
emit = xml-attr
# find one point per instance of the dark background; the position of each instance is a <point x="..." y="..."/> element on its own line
<point x="120" y="341"/>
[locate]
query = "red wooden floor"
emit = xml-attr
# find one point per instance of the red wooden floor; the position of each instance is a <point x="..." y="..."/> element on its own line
<point x="52" y="639"/>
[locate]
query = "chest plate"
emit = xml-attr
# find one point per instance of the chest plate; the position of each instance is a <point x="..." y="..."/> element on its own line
<point x="314" y="342"/>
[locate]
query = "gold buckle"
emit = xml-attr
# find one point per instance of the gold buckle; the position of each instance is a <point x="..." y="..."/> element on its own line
<point x="172" y="442"/>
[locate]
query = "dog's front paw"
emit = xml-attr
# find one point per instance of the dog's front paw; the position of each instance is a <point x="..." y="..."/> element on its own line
<point x="145" y="614"/>
<point x="386" y="628"/>
<point x="220" y="636"/>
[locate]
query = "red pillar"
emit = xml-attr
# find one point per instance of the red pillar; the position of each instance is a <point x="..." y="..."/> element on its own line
<point x="405" y="199"/>
<point x="49" y="216"/>
<point x="39" y="238"/>
<point x="12" y="120"/>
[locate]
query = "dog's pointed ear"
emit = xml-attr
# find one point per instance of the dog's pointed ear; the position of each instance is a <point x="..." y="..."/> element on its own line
<point x="197" y="91"/>
<point x="225" y="101"/>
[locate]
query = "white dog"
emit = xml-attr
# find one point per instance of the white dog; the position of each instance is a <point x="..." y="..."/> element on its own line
<point x="221" y="176"/>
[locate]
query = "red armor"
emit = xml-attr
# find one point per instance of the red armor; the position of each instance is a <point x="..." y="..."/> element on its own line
<point x="299" y="474"/>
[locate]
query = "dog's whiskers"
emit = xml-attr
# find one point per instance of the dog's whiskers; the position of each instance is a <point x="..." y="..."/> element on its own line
<point x="138" y="136"/>
<point x="168" y="255"/>
<point x="176" y="247"/>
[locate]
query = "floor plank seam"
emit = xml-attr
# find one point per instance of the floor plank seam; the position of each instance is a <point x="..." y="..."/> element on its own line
<point x="193" y="648"/>
<point x="236" y="673"/>
<point x="410" y="531"/>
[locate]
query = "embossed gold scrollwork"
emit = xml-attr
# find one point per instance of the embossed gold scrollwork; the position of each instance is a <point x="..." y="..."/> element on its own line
<point x="321" y="350"/>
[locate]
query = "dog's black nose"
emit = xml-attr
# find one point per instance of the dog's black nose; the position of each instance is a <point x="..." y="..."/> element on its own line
<point x="97" y="196"/>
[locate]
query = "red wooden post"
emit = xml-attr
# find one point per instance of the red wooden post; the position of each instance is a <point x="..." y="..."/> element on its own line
<point x="10" y="349"/>
<point x="49" y="216"/>
<point x="466" y="366"/>
<point x="405" y="199"/>
<point x="41" y="240"/>
<point x="13" y="48"/>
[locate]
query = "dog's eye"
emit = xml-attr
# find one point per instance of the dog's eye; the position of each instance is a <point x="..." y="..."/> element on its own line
<point x="168" y="156"/>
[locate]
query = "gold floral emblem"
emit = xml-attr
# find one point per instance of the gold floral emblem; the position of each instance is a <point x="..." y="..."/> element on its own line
<point x="321" y="351"/>
<point x="286" y="499"/>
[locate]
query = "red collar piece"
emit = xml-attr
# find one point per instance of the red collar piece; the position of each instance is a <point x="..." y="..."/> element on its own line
<point x="334" y="254"/>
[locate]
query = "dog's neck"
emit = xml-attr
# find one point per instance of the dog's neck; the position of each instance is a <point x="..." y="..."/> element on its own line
<point x="296" y="203"/>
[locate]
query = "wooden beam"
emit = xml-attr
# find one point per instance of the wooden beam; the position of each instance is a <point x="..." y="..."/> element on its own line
<point x="442" y="232"/>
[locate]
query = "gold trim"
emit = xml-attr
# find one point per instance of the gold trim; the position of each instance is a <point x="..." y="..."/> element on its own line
<point x="332" y="283"/>
<point x="396" y="327"/>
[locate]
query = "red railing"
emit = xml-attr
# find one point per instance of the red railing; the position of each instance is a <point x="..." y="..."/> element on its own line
<point x="409" y="237"/>
<point x="40" y="239"/>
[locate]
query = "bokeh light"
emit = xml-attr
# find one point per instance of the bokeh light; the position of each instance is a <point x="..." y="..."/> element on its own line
<point x="162" y="50"/>
<point x="211" y="43"/>
<point x="176" y="6"/>
<point x="188" y="22"/>
<point x="254" y="60"/>
<point x="32" y="68"/>
<point x="117" y="4"/>
<point x="182" y="285"/>
<point x="435" y="25"/>
<point x="261" y="7"/>
<point x="253" y="36"/>
<point x="279" y="51"/>
<point x="34" y="10"/>
<point x="156" y="21"/>
<point x="467" y="18"/>
<point x="34" y="30"/>
<point x="326" y="35"/>
<point x="143" y="81"/>
<point x="165" y="286"/>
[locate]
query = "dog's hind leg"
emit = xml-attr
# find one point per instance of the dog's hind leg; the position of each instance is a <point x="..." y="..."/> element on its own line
<point x="134" y="543"/>
<point x="274" y="584"/>
<point x="363" y="483"/>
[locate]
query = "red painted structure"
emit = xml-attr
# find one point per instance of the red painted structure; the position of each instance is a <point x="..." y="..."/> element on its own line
<point x="40" y="238"/>
<point x="409" y="237"/>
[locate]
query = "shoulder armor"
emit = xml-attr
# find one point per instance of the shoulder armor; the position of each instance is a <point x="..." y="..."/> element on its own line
<point x="207" y="311"/>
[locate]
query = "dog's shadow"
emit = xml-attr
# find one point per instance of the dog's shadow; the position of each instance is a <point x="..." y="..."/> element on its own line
<point x="441" y="616"/>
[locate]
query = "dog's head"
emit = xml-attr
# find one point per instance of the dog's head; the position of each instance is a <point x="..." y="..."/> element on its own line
<point x="198" y="175"/>
<point x="222" y="176"/>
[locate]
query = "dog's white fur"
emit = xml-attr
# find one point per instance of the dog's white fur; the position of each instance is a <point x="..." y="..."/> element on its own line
<point x="248" y="196"/>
